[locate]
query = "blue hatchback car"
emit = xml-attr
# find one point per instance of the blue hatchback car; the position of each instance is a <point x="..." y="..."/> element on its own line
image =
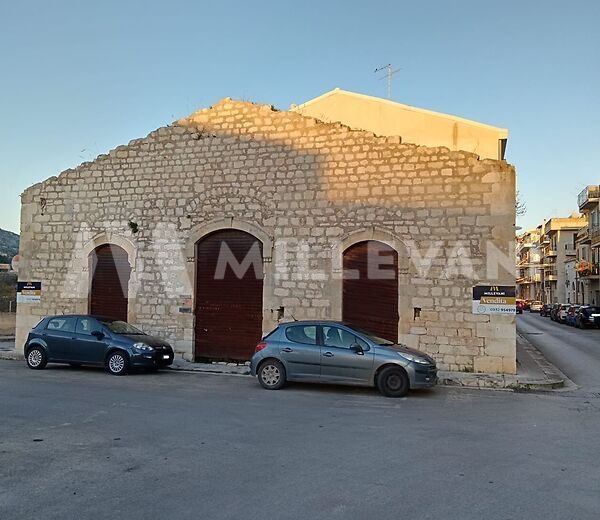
<point x="93" y="340"/>
<point x="334" y="352"/>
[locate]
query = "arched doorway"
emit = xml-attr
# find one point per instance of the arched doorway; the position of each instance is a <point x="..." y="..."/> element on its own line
<point x="110" y="273"/>
<point x="229" y="295"/>
<point x="370" y="288"/>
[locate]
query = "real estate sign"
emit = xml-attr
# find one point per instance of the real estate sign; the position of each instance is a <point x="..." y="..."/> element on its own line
<point x="494" y="299"/>
<point x="29" y="292"/>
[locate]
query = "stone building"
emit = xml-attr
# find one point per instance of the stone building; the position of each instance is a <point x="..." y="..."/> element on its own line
<point x="292" y="204"/>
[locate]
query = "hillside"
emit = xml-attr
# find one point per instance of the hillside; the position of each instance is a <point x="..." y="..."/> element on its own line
<point x="9" y="245"/>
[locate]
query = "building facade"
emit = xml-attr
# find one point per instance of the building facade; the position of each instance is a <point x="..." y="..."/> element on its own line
<point x="415" y="125"/>
<point x="529" y="265"/>
<point x="558" y="247"/>
<point x="210" y="231"/>
<point x="588" y="249"/>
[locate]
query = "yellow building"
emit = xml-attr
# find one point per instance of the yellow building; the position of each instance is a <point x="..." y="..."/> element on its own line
<point x="413" y="125"/>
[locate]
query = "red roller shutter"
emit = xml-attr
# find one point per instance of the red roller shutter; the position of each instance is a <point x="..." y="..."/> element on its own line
<point x="368" y="300"/>
<point x="228" y="310"/>
<point x="110" y="270"/>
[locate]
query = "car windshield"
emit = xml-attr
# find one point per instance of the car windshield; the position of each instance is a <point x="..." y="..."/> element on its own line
<point x="593" y="310"/>
<point x="371" y="337"/>
<point x="121" y="327"/>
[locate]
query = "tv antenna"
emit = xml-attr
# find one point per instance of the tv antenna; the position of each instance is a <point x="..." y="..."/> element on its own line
<point x="389" y="73"/>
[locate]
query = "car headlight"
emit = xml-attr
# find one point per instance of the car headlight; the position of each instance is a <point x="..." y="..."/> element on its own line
<point x="139" y="348"/>
<point x="414" y="358"/>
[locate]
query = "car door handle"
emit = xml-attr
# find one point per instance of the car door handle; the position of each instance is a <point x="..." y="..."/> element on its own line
<point x="328" y="354"/>
<point x="287" y="349"/>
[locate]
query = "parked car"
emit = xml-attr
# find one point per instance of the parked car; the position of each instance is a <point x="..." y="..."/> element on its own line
<point x="92" y="340"/>
<point x="535" y="306"/>
<point x="571" y="316"/>
<point x="334" y="352"/>
<point x="526" y="304"/>
<point x="561" y="314"/>
<point x="554" y="311"/>
<point x="588" y="316"/>
<point x="545" y="311"/>
<point x="519" y="306"/>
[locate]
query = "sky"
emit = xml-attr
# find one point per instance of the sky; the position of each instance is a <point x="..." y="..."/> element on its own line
<point x="78" y="78"/>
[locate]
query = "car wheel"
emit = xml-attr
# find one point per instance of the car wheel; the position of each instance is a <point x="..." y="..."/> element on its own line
<point x="393" y="382"/>
<point x="117" y="363"/>
<point x="36" y="358"/>
<point x="271" y="374"/>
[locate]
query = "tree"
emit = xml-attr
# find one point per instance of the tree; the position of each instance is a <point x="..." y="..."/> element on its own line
<point x="520" y="206"/>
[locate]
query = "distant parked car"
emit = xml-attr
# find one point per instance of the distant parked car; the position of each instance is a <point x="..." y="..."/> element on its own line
<point x="571" y="316"/>
<point x="588" y="316"/>
<point x="92" y="340"/>
<point x="526" y="304"/>
<point x="545" y="311"/>
<point x="561" y="314"/>
<point x="535" y="306"/>
<point x="519" y="306"/>
<point x="554" y="311"/>
<point x="334" y="352"/>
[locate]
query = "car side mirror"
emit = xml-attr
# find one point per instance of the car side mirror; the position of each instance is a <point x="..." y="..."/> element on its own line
<point x="356" y="348"/>
<point x="98" y="334"/>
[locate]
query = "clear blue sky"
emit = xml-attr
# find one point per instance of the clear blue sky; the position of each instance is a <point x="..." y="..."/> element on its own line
<point x="79" y="78"/>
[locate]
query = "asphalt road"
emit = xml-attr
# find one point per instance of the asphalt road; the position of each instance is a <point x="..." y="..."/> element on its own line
<point x="81" y="444"/>
<point x="574" y="351"/>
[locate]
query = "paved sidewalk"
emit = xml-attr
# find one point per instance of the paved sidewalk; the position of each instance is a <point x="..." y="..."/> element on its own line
<point x="534" y="372"/>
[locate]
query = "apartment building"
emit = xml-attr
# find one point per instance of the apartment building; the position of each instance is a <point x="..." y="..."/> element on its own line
<point x="529" y="265"/>
<point x="558" y="247"/>
<point x="587" y="266"/>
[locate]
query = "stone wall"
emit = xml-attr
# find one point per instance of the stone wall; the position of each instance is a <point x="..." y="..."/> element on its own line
<point x="288" y="180"/>
<point x="7" y="323"/>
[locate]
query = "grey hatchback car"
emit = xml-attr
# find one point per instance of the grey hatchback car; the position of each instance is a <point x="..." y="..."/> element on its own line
<point x="334" y="352"/>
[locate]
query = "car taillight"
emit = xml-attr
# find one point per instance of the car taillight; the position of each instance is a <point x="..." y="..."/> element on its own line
<point x="260" y="346"/>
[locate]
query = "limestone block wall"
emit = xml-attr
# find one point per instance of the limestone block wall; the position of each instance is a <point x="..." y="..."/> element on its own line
<point x="307" y="189"/>
<point x="7" y="323"/>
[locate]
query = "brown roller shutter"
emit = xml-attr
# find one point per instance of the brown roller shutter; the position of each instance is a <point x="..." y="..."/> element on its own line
<point x="368" y="300"/>
<point x="228" y="310"/>
<point x="110" y="270"/>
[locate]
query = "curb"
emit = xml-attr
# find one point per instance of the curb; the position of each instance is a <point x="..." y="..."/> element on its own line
<point x="11" y="355"/>
<point x="553" y="378"/>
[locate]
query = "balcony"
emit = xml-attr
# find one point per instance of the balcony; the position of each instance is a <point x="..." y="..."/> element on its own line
<point x="588" y="197"/>
<point x="551" y="252"/>
<point x="551" y="276"/>
<point x="595" y="237"/>
<point x="545" y="240"/>
<point x="570" y="251"/>
<point x="587" y="270"/>
<point x="583" y="236"/>
<point x="536" y="278"/>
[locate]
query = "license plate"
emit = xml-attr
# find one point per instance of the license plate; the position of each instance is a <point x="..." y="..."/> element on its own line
<point x="165" y="356"/>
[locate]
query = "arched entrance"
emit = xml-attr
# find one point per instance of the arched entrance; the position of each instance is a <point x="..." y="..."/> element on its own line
<point x="370" y="288"/>
<point x="229" y="295"/>
<point x="110" y="273"/>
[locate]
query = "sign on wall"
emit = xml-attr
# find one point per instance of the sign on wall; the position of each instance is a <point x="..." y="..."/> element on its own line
<point x="29" y="292"/>
<point x="494" y="299"/>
